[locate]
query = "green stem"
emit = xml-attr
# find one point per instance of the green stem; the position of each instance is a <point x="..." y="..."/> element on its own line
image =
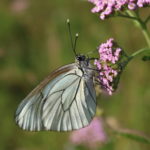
<point x="139" y="52"/>
<point x="145" y="33"/>
<point x="142" y="25"/>
<point x="147" y="19"/>
<point x="126" y="16"/>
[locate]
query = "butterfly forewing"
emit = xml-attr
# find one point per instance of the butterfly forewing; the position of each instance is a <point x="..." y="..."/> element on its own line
<point x="64" y="101"/>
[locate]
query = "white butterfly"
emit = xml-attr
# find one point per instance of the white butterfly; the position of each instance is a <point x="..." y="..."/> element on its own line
<point x="64" y="101"/>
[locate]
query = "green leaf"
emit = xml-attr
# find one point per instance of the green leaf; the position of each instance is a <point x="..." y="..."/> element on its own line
<point x="128" y="133"/>
<point x="134" y="135"/>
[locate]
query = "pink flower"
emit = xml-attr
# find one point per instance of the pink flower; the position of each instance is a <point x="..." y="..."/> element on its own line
<point x="108" y="7"/>
<point x="19" y="6"/>
<point x="132" y="6"/>
<point x="91" y="136"/>
<point x="109" y="56"/>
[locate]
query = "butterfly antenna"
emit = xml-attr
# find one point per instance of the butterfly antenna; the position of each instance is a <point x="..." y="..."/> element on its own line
<point x="75" y="42"/>
<point x="70" y="35"/>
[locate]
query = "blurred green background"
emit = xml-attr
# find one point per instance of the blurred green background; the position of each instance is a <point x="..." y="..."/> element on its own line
<point x="34" y="41"/>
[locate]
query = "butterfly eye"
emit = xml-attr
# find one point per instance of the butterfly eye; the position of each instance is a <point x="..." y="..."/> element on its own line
<point x="81" y="58"/>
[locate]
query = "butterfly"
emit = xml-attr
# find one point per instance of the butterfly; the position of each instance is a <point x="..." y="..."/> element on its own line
<point x="64" y="101"/>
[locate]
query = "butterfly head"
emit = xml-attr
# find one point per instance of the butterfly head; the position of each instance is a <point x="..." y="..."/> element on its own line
<point x="82" y="61"/>
<point x="80" y="58"/>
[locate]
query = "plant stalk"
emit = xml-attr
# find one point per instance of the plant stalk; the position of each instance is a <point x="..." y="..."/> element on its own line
<point x="142" y="25"/>
<point x="139" y="52"/>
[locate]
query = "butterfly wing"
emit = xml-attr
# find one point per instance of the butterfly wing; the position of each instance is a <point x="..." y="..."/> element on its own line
<point x="64" y="101"/>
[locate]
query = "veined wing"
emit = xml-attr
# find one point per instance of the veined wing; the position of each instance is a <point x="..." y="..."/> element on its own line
<point x="64" y="101"/>
<point x="29" y="112"/>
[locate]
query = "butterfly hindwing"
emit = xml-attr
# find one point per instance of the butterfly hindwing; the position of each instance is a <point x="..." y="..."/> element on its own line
<point x="74" y="106"/>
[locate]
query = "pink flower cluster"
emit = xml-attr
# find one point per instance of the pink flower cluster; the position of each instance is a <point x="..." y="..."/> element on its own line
<point x="107" y="7"/>
<point x="91" y="136"/>
<point x="109" y="56"/>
